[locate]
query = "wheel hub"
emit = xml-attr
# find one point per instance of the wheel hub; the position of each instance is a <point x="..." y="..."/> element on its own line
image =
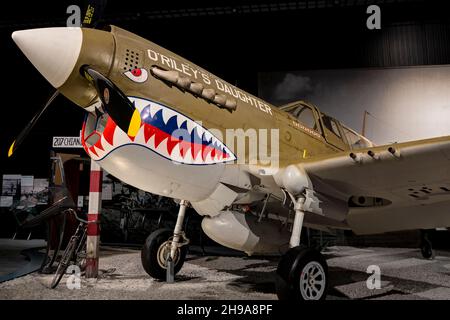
<point x="164" y="253"/>
<point x="312" y="281"/>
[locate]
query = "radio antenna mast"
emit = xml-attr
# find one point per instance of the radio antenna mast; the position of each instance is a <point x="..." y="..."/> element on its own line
<point x="363" y="131"/>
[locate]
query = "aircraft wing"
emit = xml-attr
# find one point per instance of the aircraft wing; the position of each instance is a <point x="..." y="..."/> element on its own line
<point x="413" y="177"/>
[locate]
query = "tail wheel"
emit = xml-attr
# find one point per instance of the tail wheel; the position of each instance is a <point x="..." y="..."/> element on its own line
<point x="156" y="251"/>
<point x="302" y="274"/>
<point x="426" y="247"/>
<point x="427" y="250"/>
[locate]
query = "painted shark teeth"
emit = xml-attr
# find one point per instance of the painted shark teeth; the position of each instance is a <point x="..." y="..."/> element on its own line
<point x="171" y="135"/>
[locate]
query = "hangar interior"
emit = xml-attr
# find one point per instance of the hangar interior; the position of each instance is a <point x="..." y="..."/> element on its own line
<point x="318" y="51"/>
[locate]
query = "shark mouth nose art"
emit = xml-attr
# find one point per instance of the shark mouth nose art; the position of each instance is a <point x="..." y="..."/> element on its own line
<point x="163" y="130"/>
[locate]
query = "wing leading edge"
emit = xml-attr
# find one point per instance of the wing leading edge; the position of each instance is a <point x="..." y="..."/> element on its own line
<point x="413" y="178"/>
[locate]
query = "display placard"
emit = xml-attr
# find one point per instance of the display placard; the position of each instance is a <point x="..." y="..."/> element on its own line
<point x="67" y="142"/>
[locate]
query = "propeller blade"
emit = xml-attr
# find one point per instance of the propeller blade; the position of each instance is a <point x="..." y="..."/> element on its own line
<point x="93" y="12"/>
<point x="115" y="102"/>
<point x="21" y="137"/>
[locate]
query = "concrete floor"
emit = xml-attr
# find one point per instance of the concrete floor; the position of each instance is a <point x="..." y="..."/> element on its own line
<point x="404" y="275"/>
<point x="11" y="258"/>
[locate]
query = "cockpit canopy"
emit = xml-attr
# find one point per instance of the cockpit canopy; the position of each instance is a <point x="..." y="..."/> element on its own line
<point x="335" y="131"/>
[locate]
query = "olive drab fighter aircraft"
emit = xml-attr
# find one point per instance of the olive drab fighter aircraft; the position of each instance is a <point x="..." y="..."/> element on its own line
<point x="159" y="122"/>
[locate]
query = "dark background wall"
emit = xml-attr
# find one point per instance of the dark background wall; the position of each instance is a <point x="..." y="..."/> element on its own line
<point x="233" y="39"/>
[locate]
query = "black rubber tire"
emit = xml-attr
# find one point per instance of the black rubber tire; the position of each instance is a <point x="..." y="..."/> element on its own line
<point x="427" y="250"/>
<point x="149" y="253"/>
<point x="66" y="258"/>
<point x="289" y="269"/>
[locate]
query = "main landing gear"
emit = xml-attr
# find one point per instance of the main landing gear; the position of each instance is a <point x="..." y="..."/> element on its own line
<point x="302" y="272"/>
<point x="164" y="251"/>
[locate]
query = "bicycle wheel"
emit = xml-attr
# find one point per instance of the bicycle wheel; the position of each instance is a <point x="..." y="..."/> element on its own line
<point x="62" y="228"/>
<point x="80" y="254"/>
<point x="65" y="262"/>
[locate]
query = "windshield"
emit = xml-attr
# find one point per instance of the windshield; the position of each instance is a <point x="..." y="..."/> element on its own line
<point x="355" y="140"/>
<point x="304" y="114"/>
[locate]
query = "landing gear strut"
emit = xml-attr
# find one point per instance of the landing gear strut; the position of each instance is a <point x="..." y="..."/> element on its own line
<point x="302" y="272"/>
<point x="164" y="251"/>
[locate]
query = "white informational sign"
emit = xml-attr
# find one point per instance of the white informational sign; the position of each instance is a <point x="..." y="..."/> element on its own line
<point x="6" y="201"/>
<point x="67" y="142"/>
<point x="40" y="190"/>
<point x="11" y="184"/>
<point x="107" y="186"/>
<point x="26" y="185"/>
<point x="107" y="191"/>
<point x="80" y="202"/>
<point x="117" y="188"/>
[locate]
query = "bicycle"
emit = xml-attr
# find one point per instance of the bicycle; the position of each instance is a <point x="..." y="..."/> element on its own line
<point x="75" y="252"/>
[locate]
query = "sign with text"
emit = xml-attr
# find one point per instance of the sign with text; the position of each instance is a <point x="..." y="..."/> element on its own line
<point x="67" y="142"/>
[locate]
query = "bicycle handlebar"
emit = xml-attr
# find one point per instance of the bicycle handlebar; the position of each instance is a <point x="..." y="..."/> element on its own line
<point x="72" y="211"/>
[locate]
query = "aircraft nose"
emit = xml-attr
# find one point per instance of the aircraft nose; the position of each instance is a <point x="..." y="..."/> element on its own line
<point x="53" y="51"/>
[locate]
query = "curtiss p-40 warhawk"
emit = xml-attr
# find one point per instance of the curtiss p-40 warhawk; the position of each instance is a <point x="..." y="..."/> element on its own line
<point x="159" y="123"/>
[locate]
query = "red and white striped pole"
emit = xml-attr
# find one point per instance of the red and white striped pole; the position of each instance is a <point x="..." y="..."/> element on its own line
<point x="93" y="232"/>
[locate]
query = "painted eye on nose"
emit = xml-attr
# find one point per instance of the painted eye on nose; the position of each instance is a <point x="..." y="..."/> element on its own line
<point x="137" y="72"/>
<point x="138" y="75"/>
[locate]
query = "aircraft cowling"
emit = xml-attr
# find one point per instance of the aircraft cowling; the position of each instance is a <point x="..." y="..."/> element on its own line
<point x="135" y="163"/>
<point x="243" y="232"/>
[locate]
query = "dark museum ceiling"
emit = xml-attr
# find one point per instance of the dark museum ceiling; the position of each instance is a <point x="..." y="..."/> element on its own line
<point x="36" y="14"/>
